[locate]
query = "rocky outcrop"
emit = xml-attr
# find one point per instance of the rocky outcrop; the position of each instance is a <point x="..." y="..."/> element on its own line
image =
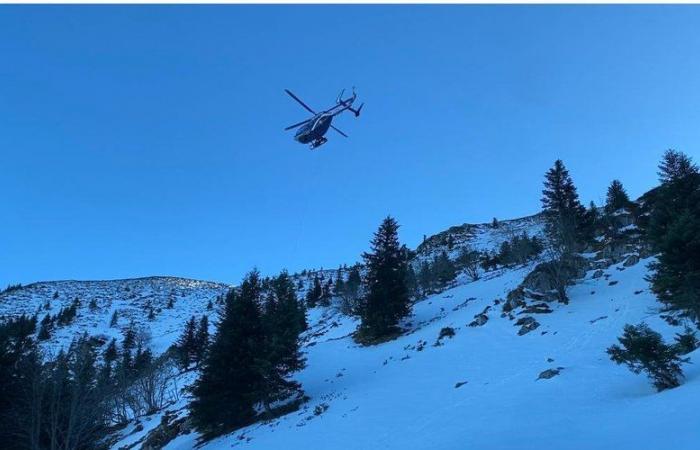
<point x="549" y="373"/>
<point x="542" y="282"/>
<point x="169" y="429"/>
<point x="526" y="324"/>
<point x="631" y="260"/>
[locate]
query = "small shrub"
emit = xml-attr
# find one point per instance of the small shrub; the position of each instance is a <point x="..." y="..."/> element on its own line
<point x="686" y="342"/>
<point x="643" y="350"/>
<point x="446" y="332"/>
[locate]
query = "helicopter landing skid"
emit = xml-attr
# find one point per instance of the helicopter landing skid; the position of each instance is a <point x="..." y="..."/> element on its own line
<point x="318" y="142"/>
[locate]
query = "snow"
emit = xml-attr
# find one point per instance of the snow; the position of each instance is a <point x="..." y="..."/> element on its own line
<point x="478" y="389"/>
<point x="392" y="396"/>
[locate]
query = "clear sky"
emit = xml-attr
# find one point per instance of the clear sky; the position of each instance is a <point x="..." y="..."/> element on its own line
<point x="148" y="140"/>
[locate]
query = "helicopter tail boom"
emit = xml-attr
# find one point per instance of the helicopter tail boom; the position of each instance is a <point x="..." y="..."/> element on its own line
<point x="357" y="111"/>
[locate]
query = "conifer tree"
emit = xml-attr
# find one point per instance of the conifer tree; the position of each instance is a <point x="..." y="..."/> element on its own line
<point x="315" y="293"/>
<point x="201" y="340"/>
<point x="616" y="197"/>
<point x="114" y="321"/>
<point x="444" y="269"/>
<point x="231" y="381"/>
<point x="386" y="299"/>
<point x="339" y="285"/>
<point x="187" y="343"/>
<point x="284" y="319"/>
<point x="674" y="232"/>
<point x="567" y="223"/>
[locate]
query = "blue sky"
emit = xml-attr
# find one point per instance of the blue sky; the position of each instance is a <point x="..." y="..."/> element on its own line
<point x="147" y="140"/>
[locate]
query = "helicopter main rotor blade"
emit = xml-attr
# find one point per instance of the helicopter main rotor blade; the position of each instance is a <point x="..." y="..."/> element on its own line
<point x="339" y="131"/>
<point x="297" y="124"/>
<point x="300" y="102"/>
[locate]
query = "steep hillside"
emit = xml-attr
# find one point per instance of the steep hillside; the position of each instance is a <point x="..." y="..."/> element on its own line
<point x="486" y="387"/>
<point x="535" y="376"/>
<point x="132" y="300"/>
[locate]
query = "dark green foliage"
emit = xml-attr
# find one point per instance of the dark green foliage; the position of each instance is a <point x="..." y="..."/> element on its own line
<point x="339" y="285"/>
<point x="616" y="197"/>
<point x="386" y="300"/>
<point x="443" y="269"/>
<point x="44" y="332"/>
<point x="114" y="321"/>
<point x="284" y="319"/>
<point x="643" y="350"/>
<point x="468" y="260"/>
<point x="436" y="274"/>
<point x="255" y="348"/>
<point x="519" y="249"/>
<point x="12" y="287"/>
<point x="54" y="405"/>
<point x="566" y="220"/>
<point x="186" y="343"/>
<point x="230" y="383"/>
<point x="201" y="340"/>
<point x="314" y="294"/>
<point x="350" y="295"/>
<point x="411" y="281"/>
<point x="674" y="231"/>
<point x="687" y="341"/>
<point x="446" y="332"/>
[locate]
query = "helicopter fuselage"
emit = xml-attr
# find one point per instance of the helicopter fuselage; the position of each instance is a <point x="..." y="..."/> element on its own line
<point x="315" y="129"/>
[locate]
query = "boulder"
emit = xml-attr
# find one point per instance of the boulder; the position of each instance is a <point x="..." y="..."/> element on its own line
<point x="514" y="299"/>
<point x="598" y="273"/>
<point x="526" y="324"/>
<point x="541" y="283"/>
<point x="537" y="308"/>
<point x="549" y="373"/>
<point x="631" y="260"/>
<point x="479" y="320"/>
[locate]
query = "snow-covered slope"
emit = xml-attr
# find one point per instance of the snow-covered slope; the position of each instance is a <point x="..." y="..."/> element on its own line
<point x="480" y="389"/>
<point x="476" y="390"/>
<point x="131" y="299"/>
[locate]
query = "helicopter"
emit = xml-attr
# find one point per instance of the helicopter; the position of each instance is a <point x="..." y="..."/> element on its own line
<point x="312" y="130"/>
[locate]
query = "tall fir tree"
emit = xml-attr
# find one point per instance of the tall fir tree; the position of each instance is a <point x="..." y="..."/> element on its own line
<point x="187" y="343"/>
<point x="616" y="197"/>
<point x="566" y="220"/>
<point x="675" y="234"/>
<point x="201" y="339"/>
<point x="231" y="382"/>
<point x="284" y="320"/>
<point x="315" y="293"/>
<point x="386" y="300"/>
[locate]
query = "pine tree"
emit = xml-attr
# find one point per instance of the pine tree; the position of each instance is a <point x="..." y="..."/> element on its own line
<point x="327" y="293"/>
<point x="425" y="277"/>
<point x="339" y="286"/>
<point x="616" y="197"/>
<point x="643" y="350"/>
<point x="567" y="223"/>
<point x="187" y="343"/>
<point x="675" y="233"/>
<point x="44" y="333"/>
<point x="444" y="270"/>
<point x="314" y="294"/>
<point x="386" y="300"/>
<point x="114" y="321"/>
<point x="231" y="381"/>
<point x="284" y="319"/>
<point x="411" y="281"/>
<point x="201" y="340"/>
